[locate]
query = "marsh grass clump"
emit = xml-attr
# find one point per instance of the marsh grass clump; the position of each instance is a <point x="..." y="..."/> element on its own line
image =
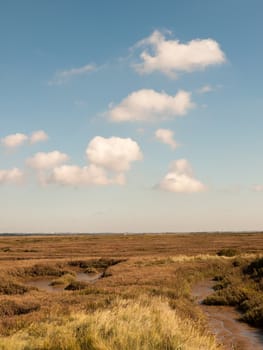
<point x="64" y="280"/>
<point x="242" y="288"/>
<point x="11" y="307"/>
<point x="10" y="287"/>
<point x="229" y="252"/>
<point x="91" y="270"/>
<point x="76" y="285"/>
<point x="229" y="296"/>
<point x="97" y="264"/>
<point x="255" y="269"/>
<point x="40" y="270"/>
<point x="254" y="315"/>
<point x="155" y="327"/>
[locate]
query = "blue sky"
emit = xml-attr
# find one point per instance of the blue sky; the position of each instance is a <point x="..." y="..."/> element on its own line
<point x="134" y="116"/>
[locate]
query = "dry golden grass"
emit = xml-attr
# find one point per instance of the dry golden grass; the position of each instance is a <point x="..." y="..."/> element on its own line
<point x="162" y="267"/>
<point x="53" y="247"/>
<point x="131" y="325"/>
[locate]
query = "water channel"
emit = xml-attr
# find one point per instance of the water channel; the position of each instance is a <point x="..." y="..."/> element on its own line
<point x="45" y="283"/>
<point x="224" y="322"/>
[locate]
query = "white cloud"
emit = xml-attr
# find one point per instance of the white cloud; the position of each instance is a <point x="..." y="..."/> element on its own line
<point x="205" y="89"/>
<point x="171" y="56"/>
<point x="18" y="139"/>
<point x="180" y="178"/>
<point x="166" y="136"/>
<point x="146" y="105"/>
<point x="113" y="153"/>
<point x="41" y="160"/>
<point x="72" y="175"/>
<point x="14" y="140"/>
<point x="38" y="136"/>
<point x="61" y="77"/>
<point x="12" y="176"/>
<point x="109" y="159"/>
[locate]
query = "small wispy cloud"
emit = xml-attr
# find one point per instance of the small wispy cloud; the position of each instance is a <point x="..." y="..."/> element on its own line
<point x="208" y="88"/>
<point x="63" y="76"/>
<point x="16" y="140"/>
<point x="205" y="89"/>
<point x="166" y="136"/>
<point x="38" y="136"/>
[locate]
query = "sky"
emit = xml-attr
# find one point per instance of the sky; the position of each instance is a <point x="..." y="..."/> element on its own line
<point x="131" y="116"/>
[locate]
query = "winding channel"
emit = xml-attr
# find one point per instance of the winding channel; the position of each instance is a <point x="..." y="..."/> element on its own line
<point x="224" y="324"/>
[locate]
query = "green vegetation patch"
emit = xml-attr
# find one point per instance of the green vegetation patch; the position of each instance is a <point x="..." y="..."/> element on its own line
<point x="242" y="288"/>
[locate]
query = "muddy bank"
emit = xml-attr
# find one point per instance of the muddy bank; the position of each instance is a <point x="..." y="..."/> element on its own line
<point x="45" y="283"/>
<point x="224" y="322"/>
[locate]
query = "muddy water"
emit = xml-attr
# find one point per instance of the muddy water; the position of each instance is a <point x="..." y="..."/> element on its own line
<point x="44" y="284"/>
<point x="223" y="322"/>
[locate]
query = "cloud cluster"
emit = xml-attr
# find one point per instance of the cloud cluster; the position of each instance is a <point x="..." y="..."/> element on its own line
<point x="61" y="77"/>
<point x="166" y="136"/>
<point x="16" y="140"/>
<point x="42" y="160"/>
<point x="109" y="159"/>
<point x="148" y="105"/>
<point x="72" y="175"/>
<point x="180" y="178"/>
<point x="171" y="56"/>
<point x="12" y="176"/>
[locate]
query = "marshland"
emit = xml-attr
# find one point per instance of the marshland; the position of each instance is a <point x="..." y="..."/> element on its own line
<point x="144" y="291"/>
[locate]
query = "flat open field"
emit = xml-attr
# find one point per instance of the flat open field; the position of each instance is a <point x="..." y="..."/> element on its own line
<point x="136" y="293"/>
<point x="121" y="245"/>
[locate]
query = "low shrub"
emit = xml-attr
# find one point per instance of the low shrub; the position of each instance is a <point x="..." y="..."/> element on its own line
<point x="76" y="285"/>
<point x="254" y="316"/>
<point x="230" y="252"/>
<point x="231" y="296"/>
<point x="11" y="308"/>
<point x="91" y="270"/>
<point x="42" y="270"/>
<point x="63" y="280"/>
<point x="9" y="287"/>
<point x="255" y="269"/>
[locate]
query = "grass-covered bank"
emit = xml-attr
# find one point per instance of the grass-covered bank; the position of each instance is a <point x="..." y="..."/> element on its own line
<point x="144" y="324"/>
<point x="241" y="286"/>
